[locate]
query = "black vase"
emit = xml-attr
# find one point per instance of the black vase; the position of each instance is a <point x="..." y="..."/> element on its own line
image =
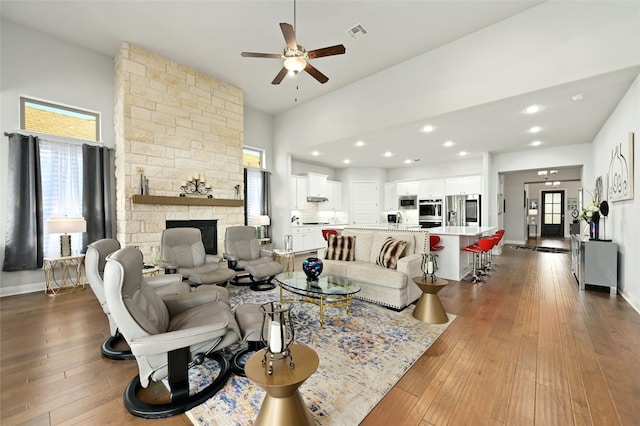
<point x="312" y="267"/>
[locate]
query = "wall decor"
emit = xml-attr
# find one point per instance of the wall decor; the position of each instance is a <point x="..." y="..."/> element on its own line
<point x="600" y="191"/>
<point x="621" y="171"/>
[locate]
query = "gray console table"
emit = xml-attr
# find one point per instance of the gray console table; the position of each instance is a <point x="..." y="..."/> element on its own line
<point x="594" y="262"/>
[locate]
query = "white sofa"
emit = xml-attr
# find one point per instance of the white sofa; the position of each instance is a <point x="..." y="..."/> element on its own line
<point x="393" y="288"/>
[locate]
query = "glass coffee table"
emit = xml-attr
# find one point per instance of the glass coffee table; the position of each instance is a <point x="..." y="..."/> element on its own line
<point x="327" y="291"/>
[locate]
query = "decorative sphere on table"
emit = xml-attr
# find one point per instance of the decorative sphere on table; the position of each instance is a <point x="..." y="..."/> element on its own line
<point x="312" y="267"/>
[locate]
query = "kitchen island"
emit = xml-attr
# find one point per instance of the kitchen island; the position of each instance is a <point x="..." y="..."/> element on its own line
<point x="453" y="263"/>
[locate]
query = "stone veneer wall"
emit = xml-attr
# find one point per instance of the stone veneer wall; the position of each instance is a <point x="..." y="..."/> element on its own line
<point x="172" y="121"/>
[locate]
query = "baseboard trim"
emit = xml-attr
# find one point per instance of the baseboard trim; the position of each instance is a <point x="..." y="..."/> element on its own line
<point x="22" y="289"/>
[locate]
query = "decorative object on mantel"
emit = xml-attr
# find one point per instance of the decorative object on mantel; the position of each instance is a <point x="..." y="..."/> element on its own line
<point x="144" y="182"/>
<point x="237" y="192"/>
<point x="195" y="185"/>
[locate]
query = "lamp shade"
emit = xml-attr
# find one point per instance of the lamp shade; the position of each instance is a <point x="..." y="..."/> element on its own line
<point x="64" y="225"/>
<point x="260" y="220"/>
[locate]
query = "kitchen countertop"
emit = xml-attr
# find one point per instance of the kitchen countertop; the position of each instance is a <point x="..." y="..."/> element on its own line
<point x="465" y="231"/>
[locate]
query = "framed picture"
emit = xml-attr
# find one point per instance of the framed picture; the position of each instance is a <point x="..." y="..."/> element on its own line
<point x="600" y="190"/>
<point x="533" y="204"/>
<point x="620" y="186"/>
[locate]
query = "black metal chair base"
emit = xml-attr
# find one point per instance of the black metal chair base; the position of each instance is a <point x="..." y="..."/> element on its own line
<point x="181" y="401"/>
<point x="239" y="359"/>
<point x="262" y="285"/>
<point x="110" y="352"/>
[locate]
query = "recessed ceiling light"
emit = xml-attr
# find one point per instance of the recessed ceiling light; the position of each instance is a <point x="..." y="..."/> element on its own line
<point x="315" y="153"/>
<point x="388" y="154"/>
<point x="346" y="161"/>
<point x="462" y="153"/>
<point x="359" y="143"/>
<point x="428" y="128"/>
<point x="535" y="129"/>
<point x="448" y="144"/>
<point x="536" y="143"/>
<point x="407" y="161"/>
<point x="578" y="97"/>
<point x="532" y="109"/>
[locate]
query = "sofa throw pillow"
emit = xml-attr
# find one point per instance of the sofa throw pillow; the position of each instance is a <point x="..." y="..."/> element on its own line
<point x="390" y="252"/>
<point x="341" y="248"/>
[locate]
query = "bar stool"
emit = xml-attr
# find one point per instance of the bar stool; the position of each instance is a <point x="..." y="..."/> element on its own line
<point x="476" y="250"/>
<point x="486" y="244"/>
<point x="327" y="232"/>
<point x="433" y="246"/>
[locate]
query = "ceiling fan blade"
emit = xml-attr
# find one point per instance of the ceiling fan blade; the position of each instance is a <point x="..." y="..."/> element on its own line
<point x="280" y="76"/>
<point x="338" y="49"/>
<point x="289" y="35"/>
<point x="260" y="55"/>
<point x="316" y="74"/>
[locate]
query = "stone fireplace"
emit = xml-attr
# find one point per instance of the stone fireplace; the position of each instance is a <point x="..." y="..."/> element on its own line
<point x="172" y="122"/>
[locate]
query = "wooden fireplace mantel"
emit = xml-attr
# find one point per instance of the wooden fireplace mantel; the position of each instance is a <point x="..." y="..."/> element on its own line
<point x="186" y="201"/>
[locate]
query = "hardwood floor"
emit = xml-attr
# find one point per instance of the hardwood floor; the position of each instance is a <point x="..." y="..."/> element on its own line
<point x="526" y="348"/>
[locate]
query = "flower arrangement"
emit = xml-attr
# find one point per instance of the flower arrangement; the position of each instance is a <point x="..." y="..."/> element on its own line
<point x="591" y="213"/>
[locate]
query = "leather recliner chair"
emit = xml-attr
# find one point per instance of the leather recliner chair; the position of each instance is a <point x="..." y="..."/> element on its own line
<point x="243" y="253"/>
<point x="95" y="259"/>
<point x="166" y="336"/>
<point x="182" y="250"/>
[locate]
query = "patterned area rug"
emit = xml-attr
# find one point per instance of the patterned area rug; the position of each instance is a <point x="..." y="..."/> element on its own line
<point x="361" y="357"/>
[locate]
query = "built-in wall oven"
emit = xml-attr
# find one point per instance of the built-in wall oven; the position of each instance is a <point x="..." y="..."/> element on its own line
<point x="430" y="213"/>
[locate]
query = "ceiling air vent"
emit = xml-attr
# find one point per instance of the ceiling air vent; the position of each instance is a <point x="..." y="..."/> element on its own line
<point x="357" y="32"/>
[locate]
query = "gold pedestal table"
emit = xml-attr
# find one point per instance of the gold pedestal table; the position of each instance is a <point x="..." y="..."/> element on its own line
<point x="429" y="308"/>
<point x="283" y="405"/>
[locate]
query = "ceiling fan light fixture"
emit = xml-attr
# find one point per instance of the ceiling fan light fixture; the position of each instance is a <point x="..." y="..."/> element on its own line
<point x="295" y="64"/>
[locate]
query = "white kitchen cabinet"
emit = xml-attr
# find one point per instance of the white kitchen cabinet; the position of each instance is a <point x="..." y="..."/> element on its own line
<point x="430" y="189"/>
<point x="463" y="185"/>
<point x="298" y="193"/>
<point x="317" y="185"/>
<point x="302" y="238"/>
<point x="390" y="196"/>
<point x="334" y="194"/>
<point x="318" y="239"/>
<point x="407" y="188"/>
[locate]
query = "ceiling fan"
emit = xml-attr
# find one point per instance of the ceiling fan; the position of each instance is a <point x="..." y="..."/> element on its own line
<point x="296" y="58"/>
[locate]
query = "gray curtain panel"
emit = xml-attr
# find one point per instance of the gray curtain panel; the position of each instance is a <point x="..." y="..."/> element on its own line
<point x="266" y="201"/>
<point x="24" y="237"/>
<point x="98" y="198"/>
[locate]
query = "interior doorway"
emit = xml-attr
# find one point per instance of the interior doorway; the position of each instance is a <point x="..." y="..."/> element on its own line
<point x="552" y="223"/>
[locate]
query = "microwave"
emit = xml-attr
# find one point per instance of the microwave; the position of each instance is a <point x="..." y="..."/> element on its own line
<point x="407" y="202"/>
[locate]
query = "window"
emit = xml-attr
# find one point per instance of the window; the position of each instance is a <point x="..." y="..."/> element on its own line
<point x="53" y="119"/>
<point x="61" y="177"/>
<point x="253" y="157"/>
<point x="255" y="193"/>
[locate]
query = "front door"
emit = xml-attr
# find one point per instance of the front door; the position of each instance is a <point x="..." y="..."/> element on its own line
<point x="552" y="214"/>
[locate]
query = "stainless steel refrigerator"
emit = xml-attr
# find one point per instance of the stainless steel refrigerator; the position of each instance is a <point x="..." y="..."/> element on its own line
<point x="463" y="210"/>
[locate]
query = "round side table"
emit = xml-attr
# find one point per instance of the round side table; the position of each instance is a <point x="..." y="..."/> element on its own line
<point x="429" y="308"/>
<point x="283" y="405"/>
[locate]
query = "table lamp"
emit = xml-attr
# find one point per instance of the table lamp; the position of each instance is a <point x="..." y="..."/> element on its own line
<point x="260" y="222"/>
<point x="65" y="225"/>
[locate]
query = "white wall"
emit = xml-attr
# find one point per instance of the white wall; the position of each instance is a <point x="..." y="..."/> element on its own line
<point x="258" y="133"/>
<point x="623" y="226"/>
<point x="36" y="65"/>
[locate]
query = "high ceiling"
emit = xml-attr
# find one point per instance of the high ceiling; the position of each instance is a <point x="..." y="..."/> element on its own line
<point x="209" y="36"/>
